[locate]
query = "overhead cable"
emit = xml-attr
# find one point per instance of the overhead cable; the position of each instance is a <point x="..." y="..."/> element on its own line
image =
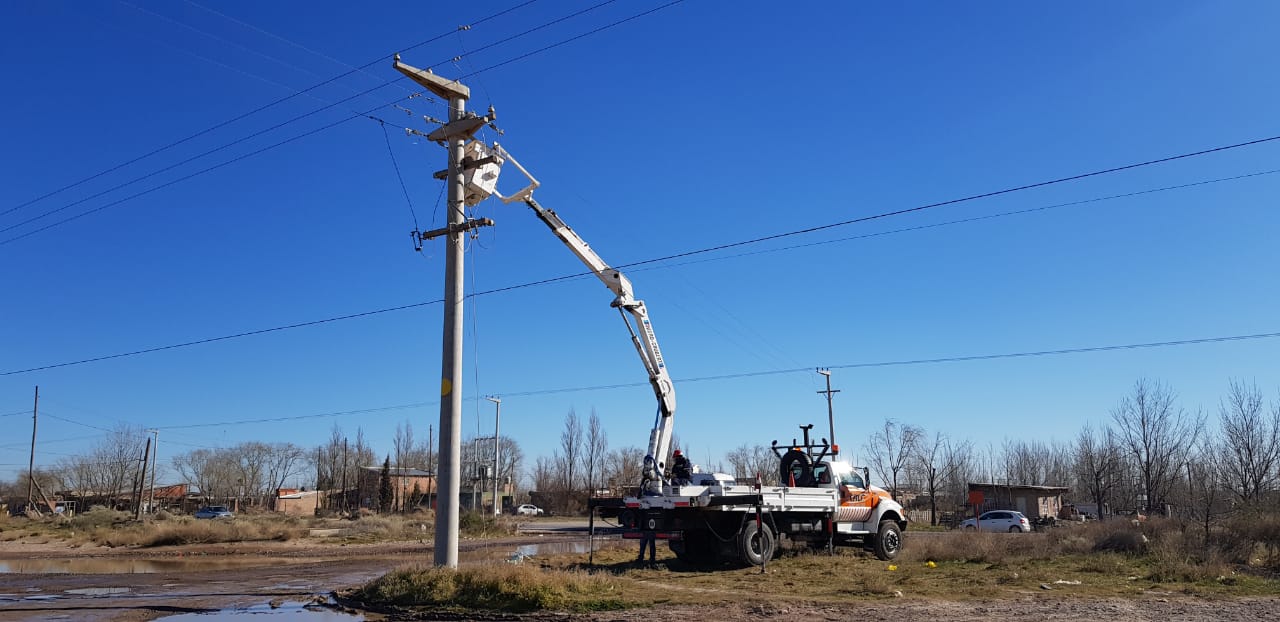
<point x="577" y="275"/>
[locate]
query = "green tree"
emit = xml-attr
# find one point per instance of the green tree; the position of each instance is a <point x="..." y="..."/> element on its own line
<point x="386" y="494"/>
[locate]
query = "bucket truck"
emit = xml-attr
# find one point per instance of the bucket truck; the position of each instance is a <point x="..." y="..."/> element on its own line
<point x="710" y="517"/>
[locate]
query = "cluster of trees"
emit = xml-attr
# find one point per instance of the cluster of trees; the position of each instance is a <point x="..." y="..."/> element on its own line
<point x="249" y="473"/>
<point x="1152" y="457"/>
<point x="583" y="465"/>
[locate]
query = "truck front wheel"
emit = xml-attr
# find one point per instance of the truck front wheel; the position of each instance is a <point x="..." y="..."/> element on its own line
<point x="888" y="541"/>
<point x="755" y="543"/>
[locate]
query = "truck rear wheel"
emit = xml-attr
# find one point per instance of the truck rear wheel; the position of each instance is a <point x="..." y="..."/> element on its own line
<point x="695" y="548"/>
<point x="756" y="543"/>
<point x="888" y="541"/>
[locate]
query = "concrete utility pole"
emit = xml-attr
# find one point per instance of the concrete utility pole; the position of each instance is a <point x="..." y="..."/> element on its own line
<point x="497" y="419"/>
<point x="155" y="451"/>
<point x="454" y="135"/>
<point x="31" y="464"/>
<point x="831" y="418"/>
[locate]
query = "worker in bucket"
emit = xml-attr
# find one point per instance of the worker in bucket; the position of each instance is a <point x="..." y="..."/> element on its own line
<point x="681" y="470"/>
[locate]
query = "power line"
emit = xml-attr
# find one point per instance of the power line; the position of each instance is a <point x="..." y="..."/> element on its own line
<point x="756" y="374"/>
<point x="254" y="111"/>
<point x="225" y="337"/>
<point x="274" y="127"/>
<point x="344" y="413"/>
<point x="570" y="40"/>
<point x="576" y="275"/>
<point x="53" y="416"/>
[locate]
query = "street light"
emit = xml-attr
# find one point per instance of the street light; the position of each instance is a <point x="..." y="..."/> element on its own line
<point x="497" y="417"/>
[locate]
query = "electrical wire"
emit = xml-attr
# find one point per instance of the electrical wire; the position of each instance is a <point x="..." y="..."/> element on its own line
<point x="345" y="413"/>
<point x="399" y="177"/>
<point x="646" y="262"/>
<point x="64" y="419"/>
<point x="277" y="126"/>
<point x="754" y="374"/>
<point x="223" y="124"/>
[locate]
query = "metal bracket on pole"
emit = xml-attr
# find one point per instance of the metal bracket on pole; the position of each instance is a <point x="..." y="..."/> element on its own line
<point x="452" y="229"/>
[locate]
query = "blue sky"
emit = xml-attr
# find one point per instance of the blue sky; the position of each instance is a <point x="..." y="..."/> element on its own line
<point x="698" y="125"/>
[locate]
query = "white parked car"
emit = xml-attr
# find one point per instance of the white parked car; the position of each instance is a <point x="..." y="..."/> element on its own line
<point x="528" y="510"/>
<point x="999" y="520"/>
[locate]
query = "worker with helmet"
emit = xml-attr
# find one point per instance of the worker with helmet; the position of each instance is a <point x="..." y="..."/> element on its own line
<point x="681" y="470"/>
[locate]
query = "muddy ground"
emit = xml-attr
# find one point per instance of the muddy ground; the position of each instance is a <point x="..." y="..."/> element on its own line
<point x="198" y="579"/>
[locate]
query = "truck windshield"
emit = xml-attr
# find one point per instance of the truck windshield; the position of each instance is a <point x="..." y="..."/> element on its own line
<point x="848" y="476"/>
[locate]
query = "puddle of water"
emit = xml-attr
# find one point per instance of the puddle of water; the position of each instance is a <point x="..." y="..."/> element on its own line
<point x="286" y="611"/>
<point x="553" y="548"/>
<point x="124" y="566"/>
<point x="98" y="591"/>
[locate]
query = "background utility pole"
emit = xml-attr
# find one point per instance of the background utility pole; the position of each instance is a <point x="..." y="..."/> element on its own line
<point x="31" y="465"/>
<point x="497" y="418"/>
<point x="142" y="481"/>
<point x="454" y="135"/>
<point x="831" y="418"/>
<point x="155" y="452"/>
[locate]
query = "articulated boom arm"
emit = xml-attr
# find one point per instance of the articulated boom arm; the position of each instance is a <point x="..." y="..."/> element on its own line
<point x="642" y="336"/>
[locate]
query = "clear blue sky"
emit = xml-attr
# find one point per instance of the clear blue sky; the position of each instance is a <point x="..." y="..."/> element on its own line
<point x="701" y="124"/>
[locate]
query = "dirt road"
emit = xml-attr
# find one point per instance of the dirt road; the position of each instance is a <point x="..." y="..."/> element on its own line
<point x="51" y="582"/>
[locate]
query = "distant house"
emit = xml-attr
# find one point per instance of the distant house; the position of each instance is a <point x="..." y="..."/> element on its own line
<point x="298" y="502"/>
<point x="1033" y="501"/>
<point x="409" y="486"/>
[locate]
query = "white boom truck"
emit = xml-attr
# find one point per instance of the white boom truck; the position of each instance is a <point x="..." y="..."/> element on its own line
<point x="711" y="518"/>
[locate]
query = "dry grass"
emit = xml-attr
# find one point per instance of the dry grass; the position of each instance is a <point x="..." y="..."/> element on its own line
<point x="187" y="530"/>
<point x="495" y="587"/>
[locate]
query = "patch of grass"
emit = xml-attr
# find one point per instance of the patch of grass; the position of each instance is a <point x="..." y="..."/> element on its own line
<point x="187" y="530"/>
<point x="496" y="587"/>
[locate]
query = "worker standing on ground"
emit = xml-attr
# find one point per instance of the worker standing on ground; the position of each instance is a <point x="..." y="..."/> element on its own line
<point x="648" y="537"/>
<point x="681" y="471"/>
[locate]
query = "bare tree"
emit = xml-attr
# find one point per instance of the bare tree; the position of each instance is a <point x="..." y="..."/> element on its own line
<point x="595" y="450"/>
<point x="1097" y="466"/>
<point x="1206" y="471"/>
<point x="403" y="446"/>
<point x="622" y="469"/>
<point x="748" y="460"/>
<point x="1251" y="442"/>
<point x="570" y="454"/>
<point x="545" y="475"/>
<point x="937" y="464"/>
<point x="890" y="449"/>
<point x="1157" y="435"/>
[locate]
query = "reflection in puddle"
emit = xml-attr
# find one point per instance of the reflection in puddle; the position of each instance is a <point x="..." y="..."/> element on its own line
<point x="305" y="612"/>
<point x="91" y="565"/>
<point x="99" y="591"/>
<point x="553" y="548"/>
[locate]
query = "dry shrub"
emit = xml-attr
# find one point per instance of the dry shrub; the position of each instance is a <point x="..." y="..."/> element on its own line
<point x="1180" y="557"/>
<point x="1123" y="539"/>
<point x="1252" y="536"/>
<point x="979" y="547"/>
<point x="493" y="587"/>
<point x="99" y="516"/>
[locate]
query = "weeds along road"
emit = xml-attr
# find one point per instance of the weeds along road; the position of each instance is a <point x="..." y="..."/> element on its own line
<point x="43" y="582"/>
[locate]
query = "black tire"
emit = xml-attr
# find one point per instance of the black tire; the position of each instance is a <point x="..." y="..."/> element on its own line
<point x="970" y="528"/>
<point x="756" y="543"/>
<point x="1015" y="529"/>
<point x="627" y="519"/>
<point x="888" y="541"/>
<point x="696" y="548"/>
<point x="790" y="461"/>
